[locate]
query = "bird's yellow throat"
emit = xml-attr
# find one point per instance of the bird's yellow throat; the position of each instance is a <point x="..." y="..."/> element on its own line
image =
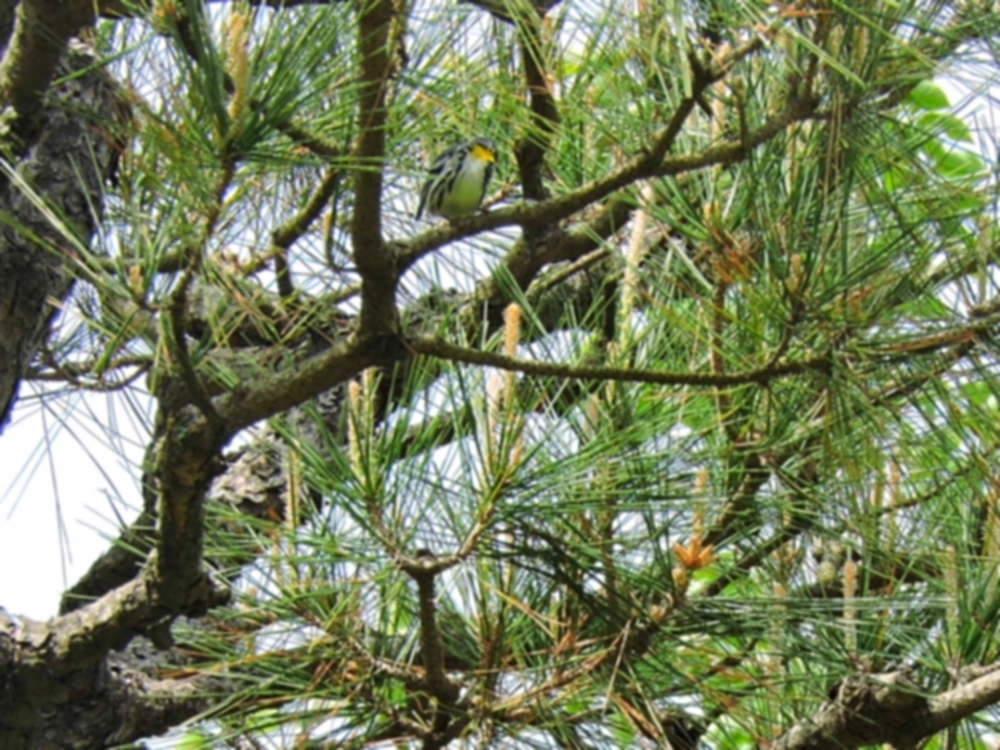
<point x="482" y="153"/>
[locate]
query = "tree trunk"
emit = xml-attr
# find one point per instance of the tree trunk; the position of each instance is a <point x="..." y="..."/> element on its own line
<point x="64" y="170"/>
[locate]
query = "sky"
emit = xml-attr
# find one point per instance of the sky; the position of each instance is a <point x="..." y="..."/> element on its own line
<point x="83" y="480"/>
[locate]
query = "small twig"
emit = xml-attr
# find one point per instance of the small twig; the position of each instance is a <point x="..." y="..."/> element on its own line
<point x="444" y="350"/>
<point x="100" y="387"/>
<point x="755" y="475"/>
<point x="723" y="404"/>
<point x="559" y="680"/>
<point x="295" y="227"/>
<point x="292" y="230"/>
<point x="72" y="371"/>
<point x="317" y="144"/>
<point x="536" y="290"/>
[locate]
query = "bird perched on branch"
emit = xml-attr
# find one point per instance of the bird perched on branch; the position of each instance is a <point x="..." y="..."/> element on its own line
<point x="458" y="179"/>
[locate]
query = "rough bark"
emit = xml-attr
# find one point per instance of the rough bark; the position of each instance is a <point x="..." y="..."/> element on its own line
<point x="117" y="699"/>
<point x="888" y="709"/>
<point x="65" y="168"/>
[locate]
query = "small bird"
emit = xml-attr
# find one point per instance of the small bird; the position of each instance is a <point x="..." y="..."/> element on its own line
<point x="458" y="179"/>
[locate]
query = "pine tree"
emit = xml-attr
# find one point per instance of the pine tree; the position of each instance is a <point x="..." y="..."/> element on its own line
<point x="688" y="439"/>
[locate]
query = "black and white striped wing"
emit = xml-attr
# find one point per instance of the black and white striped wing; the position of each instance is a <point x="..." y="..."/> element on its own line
<point x="435" y="185"/>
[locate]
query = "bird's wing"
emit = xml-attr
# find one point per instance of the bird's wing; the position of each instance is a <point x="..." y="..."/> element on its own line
<point x="441" y="160"/>
<point x="437" y="167"/>
<point x="425" y="192"/>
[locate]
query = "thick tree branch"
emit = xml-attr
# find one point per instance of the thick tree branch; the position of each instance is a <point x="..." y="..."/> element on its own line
<point x="283" y="390"/>
<point x="38" y="40"/>
<point x="374" y="261"/>
<point x="545" y="119"/>
<point x="40" y="660"/>
<point x="890" y="709"/>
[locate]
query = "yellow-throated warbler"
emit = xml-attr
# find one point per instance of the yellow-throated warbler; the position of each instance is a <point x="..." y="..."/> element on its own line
<point x="458" y="179"/>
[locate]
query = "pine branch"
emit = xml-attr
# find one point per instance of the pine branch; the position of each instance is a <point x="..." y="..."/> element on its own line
<point x="444" y="350"/>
